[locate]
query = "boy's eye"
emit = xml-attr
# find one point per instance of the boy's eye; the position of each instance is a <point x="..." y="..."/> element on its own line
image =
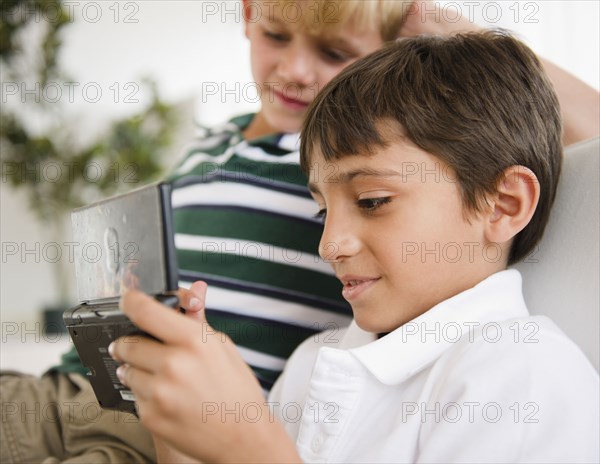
<point x="371" y="204"/>
<point x="334" y="55"/>
<point x="321" y="214"/>
<point x="276" y="36"/>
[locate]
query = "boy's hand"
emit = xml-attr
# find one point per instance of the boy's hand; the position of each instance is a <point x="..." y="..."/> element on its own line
<point x="189" y="387"/>
<point x="425" y="17"/>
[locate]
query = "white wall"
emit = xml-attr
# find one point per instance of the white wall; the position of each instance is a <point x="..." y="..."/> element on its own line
<point x="185" y="46"/>
<point x="177" y="43"/>
<point x="565" y="32"/>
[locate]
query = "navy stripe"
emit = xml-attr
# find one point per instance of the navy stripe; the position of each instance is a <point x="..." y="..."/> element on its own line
<point x="246" y="179"/>
<point x="270" y="149"/>
<point x="270" y="323"/>
<point x="267" y="384"/>
<point x="267" y="290"/>
<point x="317" y="223"/>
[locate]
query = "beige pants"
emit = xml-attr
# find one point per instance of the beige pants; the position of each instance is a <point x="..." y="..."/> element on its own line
<point x="56" y="418"/>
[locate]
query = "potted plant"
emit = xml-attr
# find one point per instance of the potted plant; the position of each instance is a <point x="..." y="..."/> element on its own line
<point x="57" y="174"/>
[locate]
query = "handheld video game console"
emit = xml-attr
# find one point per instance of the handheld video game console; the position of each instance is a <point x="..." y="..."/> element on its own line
<point x="125" y="242"/>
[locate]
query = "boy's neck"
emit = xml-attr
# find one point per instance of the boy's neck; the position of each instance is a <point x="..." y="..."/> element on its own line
<point x="258" y="127"/>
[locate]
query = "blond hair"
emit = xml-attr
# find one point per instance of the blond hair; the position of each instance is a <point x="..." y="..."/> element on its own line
<point x="387" y="15"/>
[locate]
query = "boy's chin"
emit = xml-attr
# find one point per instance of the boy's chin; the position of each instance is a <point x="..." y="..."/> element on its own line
<point x="373" y="325"/>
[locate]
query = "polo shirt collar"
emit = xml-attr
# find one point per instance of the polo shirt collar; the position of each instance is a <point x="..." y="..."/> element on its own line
<point x="418" y="343"/>
<point x="284" y="142"/>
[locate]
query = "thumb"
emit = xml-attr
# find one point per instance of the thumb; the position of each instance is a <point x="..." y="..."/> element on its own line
<point x="197" y="300"/>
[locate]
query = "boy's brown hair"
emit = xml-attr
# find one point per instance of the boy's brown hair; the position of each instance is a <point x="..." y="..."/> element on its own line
<point x="480" y="102"/>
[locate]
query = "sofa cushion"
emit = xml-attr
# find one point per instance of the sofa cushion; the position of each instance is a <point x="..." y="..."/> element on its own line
<point x="561" y="276"/>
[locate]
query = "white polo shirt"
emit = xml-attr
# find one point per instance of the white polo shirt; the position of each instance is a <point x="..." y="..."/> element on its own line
<point x="474" y="379"/>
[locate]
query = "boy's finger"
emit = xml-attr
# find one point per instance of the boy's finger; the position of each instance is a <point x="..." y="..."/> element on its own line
<point x="138" y="351"/>
<point x="159" y="320"/>
<point x="199" y="288"/>
<point x="136" y="379"/>
<point x="198" y="302"/>
<point x="193" y="299"/>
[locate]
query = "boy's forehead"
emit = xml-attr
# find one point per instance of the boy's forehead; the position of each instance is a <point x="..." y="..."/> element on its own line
<point x="322" y="169"/>
<point x="397" y="154"/>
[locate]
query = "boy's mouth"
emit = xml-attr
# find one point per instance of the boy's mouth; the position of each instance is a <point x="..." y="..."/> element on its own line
<point x="290" y="102"/>
<point x="354" y="286"/>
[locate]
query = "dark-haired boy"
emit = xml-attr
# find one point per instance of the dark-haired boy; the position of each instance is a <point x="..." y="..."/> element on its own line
<point x="434" y="163"/>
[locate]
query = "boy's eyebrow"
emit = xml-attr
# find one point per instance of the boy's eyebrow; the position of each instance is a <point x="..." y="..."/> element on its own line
<point x="337" y="41"/>
<point x="346" y="177"/>
<point x="343" y="43"/>
<point x="274" y="19"/>
<point x="367" y="172"/>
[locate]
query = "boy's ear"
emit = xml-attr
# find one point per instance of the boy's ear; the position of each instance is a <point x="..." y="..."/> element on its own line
<point x="513" y="205"/>
<point x="245" y="14"/>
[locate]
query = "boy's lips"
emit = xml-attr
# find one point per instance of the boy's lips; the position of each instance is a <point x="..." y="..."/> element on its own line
<point x="290" y="102"/>
<point x="355" y="285"/>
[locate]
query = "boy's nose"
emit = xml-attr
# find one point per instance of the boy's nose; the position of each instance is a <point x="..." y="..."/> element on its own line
<point x="298" y="65"/>
<point x="339" y="240"/>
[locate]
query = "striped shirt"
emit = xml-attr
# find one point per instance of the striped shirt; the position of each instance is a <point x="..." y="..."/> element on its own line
<point x="244" y="223"/>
